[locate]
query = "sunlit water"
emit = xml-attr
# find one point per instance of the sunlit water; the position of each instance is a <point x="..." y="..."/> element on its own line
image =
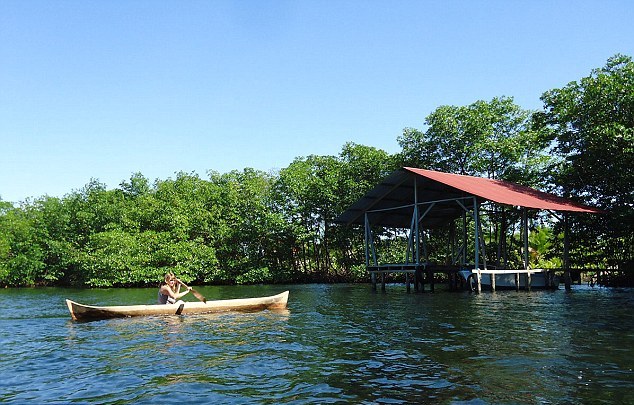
<point x="335" y="344"/>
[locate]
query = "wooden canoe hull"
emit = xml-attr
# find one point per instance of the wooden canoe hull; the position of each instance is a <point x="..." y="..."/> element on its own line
<point x="80" y="312"/>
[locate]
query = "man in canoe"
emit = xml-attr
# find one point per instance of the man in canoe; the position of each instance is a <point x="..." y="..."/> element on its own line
<point x="169" y="292"/>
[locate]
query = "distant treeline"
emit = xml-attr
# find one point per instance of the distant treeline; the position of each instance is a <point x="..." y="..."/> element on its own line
<point x="255" y="227"/>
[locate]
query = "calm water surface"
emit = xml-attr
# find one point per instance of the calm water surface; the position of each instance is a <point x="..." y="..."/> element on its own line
<point x="335" y="344"/>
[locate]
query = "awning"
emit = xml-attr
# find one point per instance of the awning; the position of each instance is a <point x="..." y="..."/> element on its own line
<point x="390" y="203"/>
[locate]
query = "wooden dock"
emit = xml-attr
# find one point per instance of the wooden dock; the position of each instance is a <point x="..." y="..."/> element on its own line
<point x="473" y="279"/>
<point x="418" y="274"/>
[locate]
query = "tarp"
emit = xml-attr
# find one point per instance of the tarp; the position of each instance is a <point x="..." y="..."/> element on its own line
<point x="397" y="190"/>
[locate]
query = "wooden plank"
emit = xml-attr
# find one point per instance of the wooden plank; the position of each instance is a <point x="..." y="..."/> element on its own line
<point x="512" y="271"/>
<point x="517" y="281"/>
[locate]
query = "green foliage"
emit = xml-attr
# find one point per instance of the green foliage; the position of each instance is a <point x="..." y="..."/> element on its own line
<point x="540" y="245"/>
<point x="591" y="123"/>
<point x="256" y="276"/>
<point x="495" y="139"/>
<point x="22" y="258"/>
<point x="313" y="191"/>
<point x="490" y="139"/>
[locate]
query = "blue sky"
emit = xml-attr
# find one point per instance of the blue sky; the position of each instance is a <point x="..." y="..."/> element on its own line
<point x="104" y="89"/>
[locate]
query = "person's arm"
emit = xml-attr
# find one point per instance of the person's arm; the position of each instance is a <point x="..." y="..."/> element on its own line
<point x="179" y="294"/>
<point x="167" y="290"/>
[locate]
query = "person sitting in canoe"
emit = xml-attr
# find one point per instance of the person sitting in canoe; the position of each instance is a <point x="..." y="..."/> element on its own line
<point x="169" y="292"/>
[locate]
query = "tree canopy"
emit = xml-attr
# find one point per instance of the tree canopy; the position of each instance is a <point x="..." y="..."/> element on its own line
<point x="591" y="124"/>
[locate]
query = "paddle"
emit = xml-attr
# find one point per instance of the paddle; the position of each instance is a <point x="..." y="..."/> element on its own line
<point x="196" y="293"/>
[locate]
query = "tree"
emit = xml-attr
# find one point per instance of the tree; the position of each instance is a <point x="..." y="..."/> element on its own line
<point x="490" y="139"/>
<point x="591" y="123"/>
<point x="306" y="192"/>
<point x="253" y="240"/>
<point x="362" y="168"/>
<point x="22" y="257"/>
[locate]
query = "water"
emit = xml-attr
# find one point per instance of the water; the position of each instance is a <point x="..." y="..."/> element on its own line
<point x="335" y="344"/>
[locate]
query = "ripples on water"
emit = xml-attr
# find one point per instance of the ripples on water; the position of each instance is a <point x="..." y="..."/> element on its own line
<point x="336" y="343"/>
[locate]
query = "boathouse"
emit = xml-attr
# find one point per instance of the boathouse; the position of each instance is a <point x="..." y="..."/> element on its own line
<point x="414" y="201"/>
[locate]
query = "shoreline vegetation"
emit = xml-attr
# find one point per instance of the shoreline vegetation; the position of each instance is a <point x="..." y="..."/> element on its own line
<point x="252" y="227"/>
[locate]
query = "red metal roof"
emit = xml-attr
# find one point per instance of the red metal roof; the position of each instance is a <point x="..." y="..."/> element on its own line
<point x="504" y="192"/>
<point x="390" y="202"/>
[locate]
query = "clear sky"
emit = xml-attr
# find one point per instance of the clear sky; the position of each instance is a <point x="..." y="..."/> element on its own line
<point x="104" y="89"/>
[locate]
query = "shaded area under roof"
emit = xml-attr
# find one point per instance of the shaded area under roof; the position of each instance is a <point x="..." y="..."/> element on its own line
<point x="390" y="203"/>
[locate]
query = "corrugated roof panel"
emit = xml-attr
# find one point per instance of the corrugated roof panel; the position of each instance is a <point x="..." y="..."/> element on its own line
<point x="397" y="190"/>
<point x="504" y="192"/>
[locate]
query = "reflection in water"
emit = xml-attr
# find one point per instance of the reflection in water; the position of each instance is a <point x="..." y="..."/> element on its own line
<point x="334" y="343"/>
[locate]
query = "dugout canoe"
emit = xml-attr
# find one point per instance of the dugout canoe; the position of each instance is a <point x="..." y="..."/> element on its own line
<point x="80" y="312"/>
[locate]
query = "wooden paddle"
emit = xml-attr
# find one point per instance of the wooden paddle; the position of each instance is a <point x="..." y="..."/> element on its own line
<point x="196" y="293"/>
